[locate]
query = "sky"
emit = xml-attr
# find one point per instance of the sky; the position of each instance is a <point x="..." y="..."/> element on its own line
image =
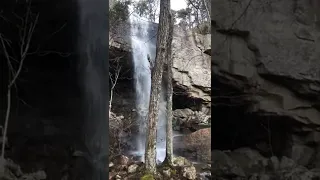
<point x="178" y="4"/>
<point x="175" y="5"/>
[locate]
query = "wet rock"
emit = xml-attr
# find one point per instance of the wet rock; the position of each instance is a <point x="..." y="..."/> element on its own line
<point x="224" y="166"/>
<point x="189" y="172"/>
<point x="133" y="168"/>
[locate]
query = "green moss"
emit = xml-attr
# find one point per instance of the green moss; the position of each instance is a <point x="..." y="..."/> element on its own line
<point x="173" y="171"/>
<point x="147" y="177"/>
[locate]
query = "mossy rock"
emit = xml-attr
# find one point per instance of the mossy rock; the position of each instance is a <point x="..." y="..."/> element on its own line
<point x="181" y="161"/>
<point x="173" y="171"/>
<point x="147" y="177"/>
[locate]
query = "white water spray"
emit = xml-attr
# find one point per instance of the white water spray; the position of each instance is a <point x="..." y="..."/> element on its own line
<point x="141" y="49"/>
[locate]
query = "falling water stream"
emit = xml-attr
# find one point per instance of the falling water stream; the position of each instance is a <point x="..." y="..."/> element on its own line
<point x="94" y="72"/>
<point x="142" y="47"/>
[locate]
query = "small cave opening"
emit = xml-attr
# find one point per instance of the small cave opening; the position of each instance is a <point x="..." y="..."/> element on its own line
<point x="181" y="99"/>
<point x="235" y="126"/>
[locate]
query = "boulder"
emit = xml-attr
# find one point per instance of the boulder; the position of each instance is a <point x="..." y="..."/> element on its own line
<point x="286" y="163"/>
<point x="274" y="163"/>
<point x="10" y="170"/>
<point x="224" y="166"/>
<point x="121" y="160"/>
<point x="302" y="154"/>
<point x="189" y="172"/>
<point x="298" y="173"/>
<point x="181" y="161"/>
<point x="167" y="172"/>
<point x="250" y="160"/>
<point x="200" y="143"/>
<point x="186" y="118"/>
<point x="133" y="168"/>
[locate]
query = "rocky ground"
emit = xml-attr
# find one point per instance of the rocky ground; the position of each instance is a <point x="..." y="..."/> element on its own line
<point x="245" y="163"/>
<point x="191" y="144"/>
<point x="12" y="171"/>
<point x="123" y="168"/>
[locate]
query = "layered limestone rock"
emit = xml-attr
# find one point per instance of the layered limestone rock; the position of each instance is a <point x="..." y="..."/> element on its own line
<point x="270" y="51"/>
<point x="191" y="65"/>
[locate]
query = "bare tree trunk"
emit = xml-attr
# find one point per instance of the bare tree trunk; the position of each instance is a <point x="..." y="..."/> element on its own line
<point x="111" y="3"/>
<point x="207" y="4"/>
<point x="169" y="137"/>
<point x="156" y="78"/>
<point x="114" y="79"/>
<point x="27" y="29"/>
<point x="110" y="102"/>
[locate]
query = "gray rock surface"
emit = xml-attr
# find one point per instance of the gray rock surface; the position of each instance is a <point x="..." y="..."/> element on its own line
<point x="249" y="164"/>
<point x="191" y="66"/>
<point x="271" y="50"/>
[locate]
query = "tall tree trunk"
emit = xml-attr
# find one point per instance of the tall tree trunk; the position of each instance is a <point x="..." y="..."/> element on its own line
<point x="207" y="4"/>
<point x="111" y="3"/>
<point x="156" y="78"/>
<point x="169" y="146"/>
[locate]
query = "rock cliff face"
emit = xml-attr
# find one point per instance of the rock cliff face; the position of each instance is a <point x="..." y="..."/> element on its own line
<point x="191" y="72"/>
<point x="191" y="65"/>
<point x="271" y="50"/>
<point x="265" y="62"/>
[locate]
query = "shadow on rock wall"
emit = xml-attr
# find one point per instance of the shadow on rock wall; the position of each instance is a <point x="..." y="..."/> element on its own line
<point x="46" y="116"/>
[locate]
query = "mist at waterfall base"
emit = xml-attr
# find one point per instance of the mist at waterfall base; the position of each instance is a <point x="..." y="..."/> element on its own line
<point x="93" y="72"/>
<point x="142" y="47"/>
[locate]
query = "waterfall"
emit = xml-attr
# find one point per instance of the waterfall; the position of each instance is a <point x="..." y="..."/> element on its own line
<point x="142" y="47"/>
<point x="93" y="74"/>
